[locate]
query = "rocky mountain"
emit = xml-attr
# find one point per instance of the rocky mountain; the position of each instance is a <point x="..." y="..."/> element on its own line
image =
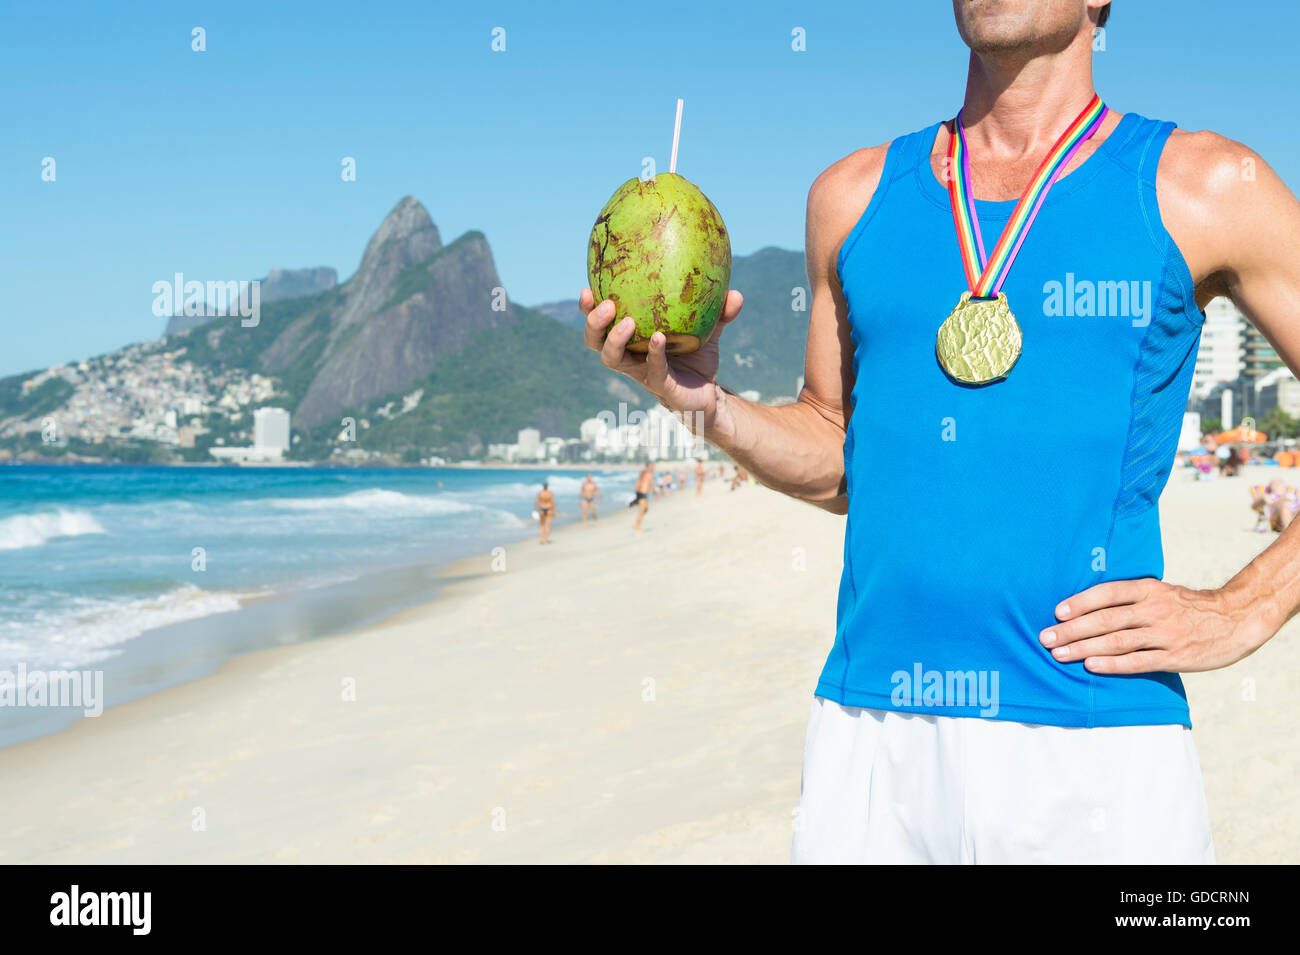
<point x="417" y="317"/>
<point x="411" y="302"/>
<point x="278" y="284"/>
<point x="292" y="283"/>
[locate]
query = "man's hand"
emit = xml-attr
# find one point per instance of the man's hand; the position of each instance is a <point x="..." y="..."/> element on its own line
<point x="1147" y="625"/>
<point x="683" y="383"/>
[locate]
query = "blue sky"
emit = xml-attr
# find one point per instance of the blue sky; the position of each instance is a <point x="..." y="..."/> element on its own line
<point x="225" y="163"/>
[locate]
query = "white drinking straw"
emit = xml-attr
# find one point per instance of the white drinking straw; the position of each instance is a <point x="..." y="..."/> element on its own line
<point x="677" y="132"/>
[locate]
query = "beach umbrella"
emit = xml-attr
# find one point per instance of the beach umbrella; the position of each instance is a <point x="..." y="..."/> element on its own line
<point x="1242" y="436"/>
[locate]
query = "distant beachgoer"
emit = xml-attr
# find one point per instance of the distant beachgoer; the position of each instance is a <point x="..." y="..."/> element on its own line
<point x="1230" y="465"/>
<point x="699" y="478"/>
<point x="589" y="497"/>
<point x="645" y="482"/>
<point x="1277" y="505"/>
<point x="1223" y="455"/>
<point x="545" y="507"/>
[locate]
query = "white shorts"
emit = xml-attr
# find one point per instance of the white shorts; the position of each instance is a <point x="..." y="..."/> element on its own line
<point x="888" y="787"/>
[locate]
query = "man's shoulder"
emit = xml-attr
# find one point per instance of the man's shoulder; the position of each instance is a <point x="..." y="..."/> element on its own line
<point x="1206" y="163"/>
<point x="839" y="196"/>
<point x="857" y="173"/>
<point x="1218" y="199"/>
<point x="1210" y="181"/>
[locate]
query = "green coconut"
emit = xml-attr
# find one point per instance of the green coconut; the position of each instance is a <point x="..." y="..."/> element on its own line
<point x="660" y="253"/>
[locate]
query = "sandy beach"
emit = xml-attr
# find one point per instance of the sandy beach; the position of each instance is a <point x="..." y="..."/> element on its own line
<point x="604" y="699"/>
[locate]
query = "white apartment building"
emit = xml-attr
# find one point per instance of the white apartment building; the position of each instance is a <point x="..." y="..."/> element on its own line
<point x="1219" y="358"/>
<point x="271" y="429"/>
<point x="1278" y="389"/>
<point x="528" y="444"/>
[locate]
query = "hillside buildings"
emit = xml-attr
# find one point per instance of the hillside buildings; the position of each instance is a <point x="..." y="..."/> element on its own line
<point x="145" y="392"/>
<point x="622" y="435"/>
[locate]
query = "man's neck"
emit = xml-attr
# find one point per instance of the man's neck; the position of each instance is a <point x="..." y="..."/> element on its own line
<point x="1015" y="109"/>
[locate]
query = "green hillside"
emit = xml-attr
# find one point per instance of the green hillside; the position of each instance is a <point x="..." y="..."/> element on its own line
<point x="224" y="343"/>
<point x="764" y="348"/>
<point x="46" y="397"/>
<point x="536" y="373"/>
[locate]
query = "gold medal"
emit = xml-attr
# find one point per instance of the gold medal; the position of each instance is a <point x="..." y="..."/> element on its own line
<point x="979" y="342"/>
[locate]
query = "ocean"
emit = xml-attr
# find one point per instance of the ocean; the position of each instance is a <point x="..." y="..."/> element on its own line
<point x="154" y="575"/>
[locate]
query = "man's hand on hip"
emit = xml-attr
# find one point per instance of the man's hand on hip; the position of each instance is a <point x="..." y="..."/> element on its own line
<point x="1147" y="625"/>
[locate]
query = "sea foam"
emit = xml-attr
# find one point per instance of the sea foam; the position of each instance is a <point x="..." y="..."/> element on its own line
<point x="90" y="630"/>
<point x="33" y="530"/>
<point x="373" y="500"/>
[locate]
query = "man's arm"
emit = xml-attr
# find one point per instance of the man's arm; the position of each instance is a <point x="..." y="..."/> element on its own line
<point x="1238" y="226"/>
<point x="797" y="449"/>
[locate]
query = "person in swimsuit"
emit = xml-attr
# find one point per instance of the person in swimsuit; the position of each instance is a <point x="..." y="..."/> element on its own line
<point x="699" y="477"/>
<point x="1277" y="503"/>
<point x="1077" y="746"/>
<point x="588" y="498"/>
<point x="545" y="507"/>
<point x="645" y="482"/>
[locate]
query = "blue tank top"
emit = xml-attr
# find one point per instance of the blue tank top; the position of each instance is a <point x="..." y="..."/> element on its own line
<point x="974" y="511"/>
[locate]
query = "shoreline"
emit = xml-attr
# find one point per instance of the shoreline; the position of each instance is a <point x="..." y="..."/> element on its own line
<point x="273" y="613"/>
<point x="363" y="466"/>
<point x="607" y="698"/>
<point x="262" y="621"/>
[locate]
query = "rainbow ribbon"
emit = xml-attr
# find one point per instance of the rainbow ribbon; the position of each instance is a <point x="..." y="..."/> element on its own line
<point x="985" y="275"/>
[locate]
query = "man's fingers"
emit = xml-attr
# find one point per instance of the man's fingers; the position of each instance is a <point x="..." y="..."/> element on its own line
<point x="731" y="307"/>
<point x="1113" y="593"/>
<point x="1142" y="661"/>
<point x="656" y="364"/>
<point x="614" y="349"/>
<point x="586" y="301"/>
<point x="1106" y="620"/>
<point x="598" y="318"/>
<point x="1109" y="645"/>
